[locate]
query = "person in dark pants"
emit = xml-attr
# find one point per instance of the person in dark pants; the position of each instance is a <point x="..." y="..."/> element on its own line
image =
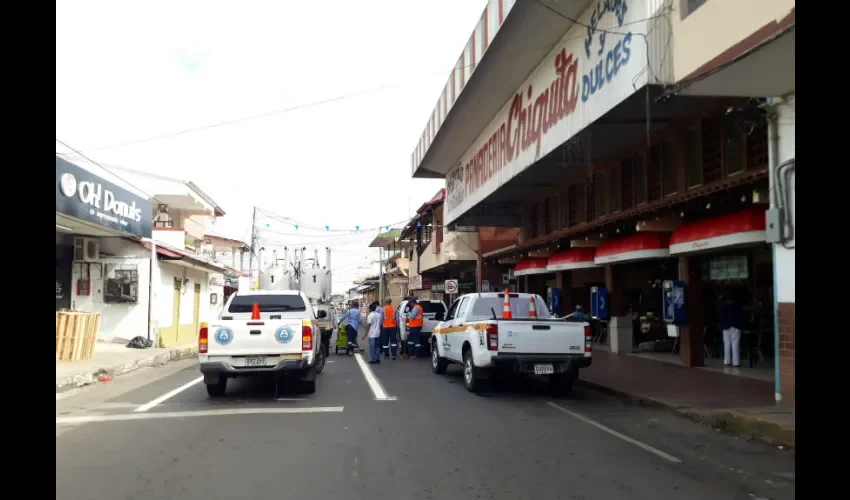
<point x="415" y="322"/>
<point x="354" y="317"/>
<point x="389" y="344"/>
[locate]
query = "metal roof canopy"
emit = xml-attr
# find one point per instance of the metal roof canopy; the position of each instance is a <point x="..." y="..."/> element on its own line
<point x="526" y="36"/>
<point x="622" y="127"/>
<point x="385" y="239"/>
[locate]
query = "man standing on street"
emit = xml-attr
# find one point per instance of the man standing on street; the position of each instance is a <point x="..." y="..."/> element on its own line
<point x="416" y="321"/>
<point x="389" y="332"/>
<point x="353" y="316"/>
<point x="374" y="323"/>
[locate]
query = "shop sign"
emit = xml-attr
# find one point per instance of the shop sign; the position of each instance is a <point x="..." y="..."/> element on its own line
<point x="84" y="195"/>
<point x="588" y="73"/>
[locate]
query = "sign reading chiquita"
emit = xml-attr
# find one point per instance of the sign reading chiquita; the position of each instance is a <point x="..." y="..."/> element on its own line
<point x="590" y="71"/>
<point x="83" y="195"/>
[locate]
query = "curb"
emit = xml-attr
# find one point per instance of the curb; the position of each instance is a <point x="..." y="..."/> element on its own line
<point x="731" y="421"/>
<point x="80" y="380"/>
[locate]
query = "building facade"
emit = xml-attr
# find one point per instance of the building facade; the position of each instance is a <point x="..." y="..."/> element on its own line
<point x="646" y="146"/>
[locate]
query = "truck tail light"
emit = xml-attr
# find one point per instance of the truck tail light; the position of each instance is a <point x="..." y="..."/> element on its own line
<point x="306" y="338"/>
<point x="492" y="338"/>
<point x="588" y="339"/>
<point x="203" y="338"/>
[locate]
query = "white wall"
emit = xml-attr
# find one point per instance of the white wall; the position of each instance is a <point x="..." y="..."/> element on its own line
<point x="124" y="321"/>
<point x="785" y="257"/>
<point x="164" y="295"/>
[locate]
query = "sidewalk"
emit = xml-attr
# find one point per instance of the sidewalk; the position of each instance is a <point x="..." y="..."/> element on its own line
<point x="115" y="359"/>
<point x="735" y="404"/>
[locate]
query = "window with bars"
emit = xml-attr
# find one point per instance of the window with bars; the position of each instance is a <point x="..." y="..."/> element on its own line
<point x="734" y="148"/>
<point x="712" y="151"/>
<point x="640" y="179"/>
<point x="565" y="210"/>
<point x="533" y="225"/>
<point x="653" y="173"/>
<point x="600" y="193"/>
<point x="627" y="183"/>
<point x="550" y="215"/>
<point x="669" y="181"/>
<point x="576" y="197"/>
<point x="693" y="157"/>
<point x="615" y="190"/>
<point x="757" y="146"/>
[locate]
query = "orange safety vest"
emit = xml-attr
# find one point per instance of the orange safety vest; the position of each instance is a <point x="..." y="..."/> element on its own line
<point x="417" y="321"/>
<point x="389" y="317"/>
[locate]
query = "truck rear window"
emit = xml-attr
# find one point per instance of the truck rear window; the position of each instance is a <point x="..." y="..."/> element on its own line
<point x="268" y="303"/>
<point x="519" y="308"/>
<point x="432" y="307"/>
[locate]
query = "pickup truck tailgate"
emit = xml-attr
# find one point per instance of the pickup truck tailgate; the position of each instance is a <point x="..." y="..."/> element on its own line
<point x="245" y="337"/>
<point x="541" y="337"/>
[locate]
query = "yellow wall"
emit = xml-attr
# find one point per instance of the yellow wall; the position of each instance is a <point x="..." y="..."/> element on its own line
<point x="717" y="26"/>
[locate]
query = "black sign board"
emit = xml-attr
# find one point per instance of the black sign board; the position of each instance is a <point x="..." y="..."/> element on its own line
<point x="84" y="195"/>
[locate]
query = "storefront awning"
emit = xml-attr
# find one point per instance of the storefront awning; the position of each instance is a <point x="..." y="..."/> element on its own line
<point x="574" y="258"/>
<point x="741" y="228"/>
<point x="533" y="265"/>
<point x="640" y="246"/>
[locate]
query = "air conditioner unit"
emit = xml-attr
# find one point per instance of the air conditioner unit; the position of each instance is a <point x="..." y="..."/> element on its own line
<point x="86" y="249"/>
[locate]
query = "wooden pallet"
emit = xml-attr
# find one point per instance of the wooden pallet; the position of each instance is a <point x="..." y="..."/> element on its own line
<point x="76" y="335"/>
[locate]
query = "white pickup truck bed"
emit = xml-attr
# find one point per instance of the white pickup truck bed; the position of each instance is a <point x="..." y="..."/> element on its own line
<point x="475" y="335"/>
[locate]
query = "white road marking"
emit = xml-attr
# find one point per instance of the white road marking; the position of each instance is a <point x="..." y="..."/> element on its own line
<point x="372" y="380"/>
<point x="170" y="394"/>
<point x="625" y="438"/>
<point x="203" y="413"/>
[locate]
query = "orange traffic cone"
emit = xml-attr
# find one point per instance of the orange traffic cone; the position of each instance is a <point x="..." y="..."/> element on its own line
<point x="255" y="311"/>
<point x="506" y="311"/>
<point x="532" y="309"/>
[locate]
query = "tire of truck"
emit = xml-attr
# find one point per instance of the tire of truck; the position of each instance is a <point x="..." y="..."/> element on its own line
<point x="472" y="376"/>
<point x="562" y="383"/>
<point x="321" y="359"/>
<point x="438" y="363"/>
<point x="218" y="388"/>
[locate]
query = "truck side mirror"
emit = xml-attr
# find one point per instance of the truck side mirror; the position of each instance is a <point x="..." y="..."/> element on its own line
<point x="322" y="314"/>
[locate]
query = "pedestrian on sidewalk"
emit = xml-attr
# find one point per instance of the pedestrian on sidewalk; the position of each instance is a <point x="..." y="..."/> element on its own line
<point x="389" y="331"/>
<point x="374" y="323"/>
<point x="416" y="321"/>
<point x="731" y="322"/>
<point x="354" y="317"/>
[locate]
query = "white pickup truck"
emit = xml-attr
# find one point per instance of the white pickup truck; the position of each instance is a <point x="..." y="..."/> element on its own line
<point x="474" y="334"/>
<point x="262" y="332"/>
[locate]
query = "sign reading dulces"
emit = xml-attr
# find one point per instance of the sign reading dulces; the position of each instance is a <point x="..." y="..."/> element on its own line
<point x="594" y="67"/>
<point x="83" y="195"/>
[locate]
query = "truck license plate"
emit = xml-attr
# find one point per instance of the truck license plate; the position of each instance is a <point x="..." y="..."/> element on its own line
<point x="543" y="369"/>
<point x="255" y="361"/>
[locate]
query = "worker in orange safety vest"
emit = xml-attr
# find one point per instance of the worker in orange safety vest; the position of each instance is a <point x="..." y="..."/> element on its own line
<point x="416" y="319"/>
<point x="389" y="333"/>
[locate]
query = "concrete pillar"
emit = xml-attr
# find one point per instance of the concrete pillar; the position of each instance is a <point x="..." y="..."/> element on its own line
<point x="620" y="331"/>
<point x="784" y="258"/>
<point x="691" y="336"/>
<point x="237" y="264"/>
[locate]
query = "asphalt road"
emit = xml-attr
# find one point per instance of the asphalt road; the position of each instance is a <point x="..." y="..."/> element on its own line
<point x="430" y="439"/>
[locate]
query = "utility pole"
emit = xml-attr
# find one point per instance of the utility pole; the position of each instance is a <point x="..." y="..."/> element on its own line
<point x="253" y="243"/>
<point x="381" y="279"/>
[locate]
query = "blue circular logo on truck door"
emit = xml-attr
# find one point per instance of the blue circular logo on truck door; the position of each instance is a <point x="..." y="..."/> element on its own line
<point x="223" y="336"/>
<point x="284" y="334"/>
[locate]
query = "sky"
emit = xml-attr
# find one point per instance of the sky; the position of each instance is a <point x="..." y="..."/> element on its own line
<point x="131" y="71"/>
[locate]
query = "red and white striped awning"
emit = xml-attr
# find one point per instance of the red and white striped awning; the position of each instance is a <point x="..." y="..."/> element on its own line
<point x="741" y="228"/>
<point x="574" y="258"/>
<point x="640" y="246"/>
<point x="531" y="265"/>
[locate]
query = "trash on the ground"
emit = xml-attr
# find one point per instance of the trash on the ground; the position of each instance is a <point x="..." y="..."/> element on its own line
<point x="105" y="378"/>
<point x="140" y="342"/>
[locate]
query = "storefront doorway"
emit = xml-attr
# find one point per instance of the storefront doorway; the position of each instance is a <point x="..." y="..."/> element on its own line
<point x="64" y="261"/>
